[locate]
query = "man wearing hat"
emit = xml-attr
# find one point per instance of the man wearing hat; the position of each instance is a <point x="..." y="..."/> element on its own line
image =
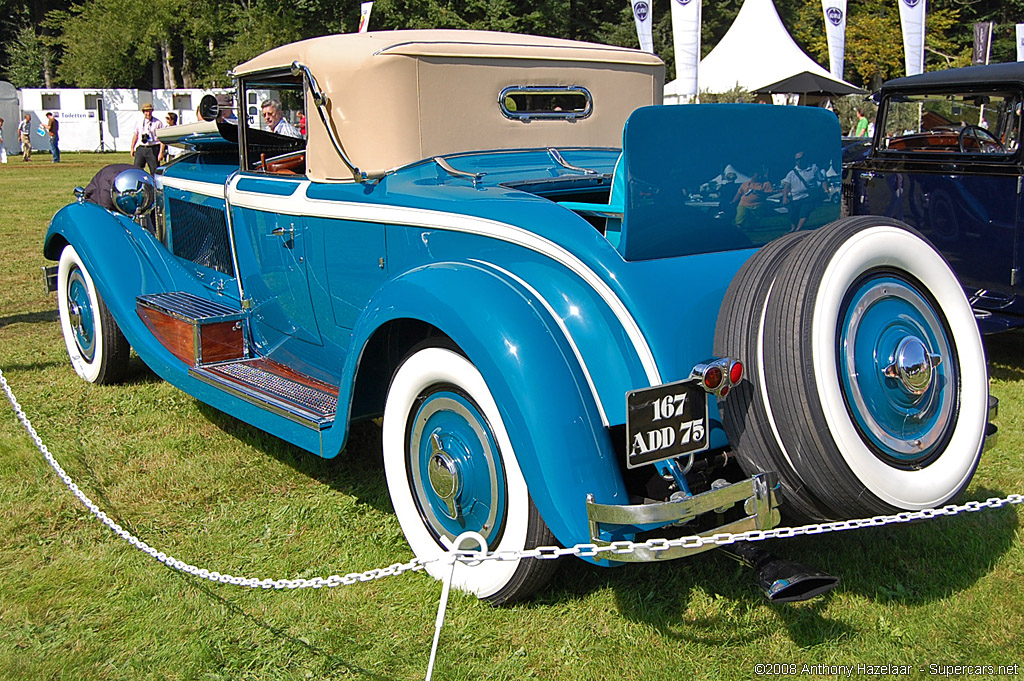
<point x="146" y="148"/>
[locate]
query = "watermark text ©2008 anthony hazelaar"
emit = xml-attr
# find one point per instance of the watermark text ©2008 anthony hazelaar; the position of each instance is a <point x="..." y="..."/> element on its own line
<point x="852" y="670"/>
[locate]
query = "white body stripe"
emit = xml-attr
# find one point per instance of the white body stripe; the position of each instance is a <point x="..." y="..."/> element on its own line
<point x="565" y="332"/>
<point x="194" y="186"/>
<point x="301" y="205"/>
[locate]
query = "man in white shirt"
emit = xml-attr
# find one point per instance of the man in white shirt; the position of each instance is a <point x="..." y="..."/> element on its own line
<point x="275" y="120"/>
<point x="146" y="148"/>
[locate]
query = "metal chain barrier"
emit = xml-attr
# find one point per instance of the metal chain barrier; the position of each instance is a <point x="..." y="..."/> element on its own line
<point x="172" y="562"/>
<point x="475" y="557"/>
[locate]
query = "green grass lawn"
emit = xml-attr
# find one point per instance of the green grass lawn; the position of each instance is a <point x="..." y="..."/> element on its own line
<point x="78" y="603"/>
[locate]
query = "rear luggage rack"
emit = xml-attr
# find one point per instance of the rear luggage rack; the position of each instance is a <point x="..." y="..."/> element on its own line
<point x="277" y="388"/>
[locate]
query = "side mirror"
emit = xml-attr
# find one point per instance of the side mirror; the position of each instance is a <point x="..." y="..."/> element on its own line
<point x="208" y="108"/>
<point x="133" y="193"/>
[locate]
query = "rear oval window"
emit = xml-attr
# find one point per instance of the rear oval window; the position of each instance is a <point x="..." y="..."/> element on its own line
<point x="560" y="102"/>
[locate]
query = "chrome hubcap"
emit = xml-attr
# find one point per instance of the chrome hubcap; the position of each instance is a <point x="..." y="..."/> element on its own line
<point x="443" y="474"/>
<point x="75" y="316"/>
<point x="912" y="365"/>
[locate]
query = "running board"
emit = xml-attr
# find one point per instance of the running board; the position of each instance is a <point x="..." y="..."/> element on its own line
<point x="276" y="388"/>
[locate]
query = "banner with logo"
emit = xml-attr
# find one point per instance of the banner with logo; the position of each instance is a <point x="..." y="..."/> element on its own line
<point x="835" y="33"/>
<point x="686" y="42"/>
<point x="982" y="42"/>
<point x="912" y="18"/>
<point x="642" y="17"/>
<point x="1020" y="42"/>
<point x="364" y="16"/>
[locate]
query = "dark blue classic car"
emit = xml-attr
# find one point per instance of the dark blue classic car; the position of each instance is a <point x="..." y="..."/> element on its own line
<point x="947" y="160"/>
<point x="582" y="316"/>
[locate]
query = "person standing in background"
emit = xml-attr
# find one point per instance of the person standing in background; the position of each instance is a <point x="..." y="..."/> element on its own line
<point x="169" y="151"/>
<point x="146" y="148"/>
<point x="3" y="149"/>
<point x="25" y="137"/>
<point x="53" y="130"/>
<point x="862" y="125"/>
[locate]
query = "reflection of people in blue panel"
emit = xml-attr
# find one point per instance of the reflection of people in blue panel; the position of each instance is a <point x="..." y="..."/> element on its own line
<point x="751" y="198"/>
<point x="727" y="193"/>
<point x="803" y="189"/>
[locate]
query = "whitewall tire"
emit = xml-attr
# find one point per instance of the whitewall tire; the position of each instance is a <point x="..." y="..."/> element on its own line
<point x="98" y="350"/>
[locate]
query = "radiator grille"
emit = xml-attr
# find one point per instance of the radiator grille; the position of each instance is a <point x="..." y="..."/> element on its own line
<point x="200" y="234"/>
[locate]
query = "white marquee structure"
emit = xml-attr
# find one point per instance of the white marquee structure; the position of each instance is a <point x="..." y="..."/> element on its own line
<point x="756" y="52"/>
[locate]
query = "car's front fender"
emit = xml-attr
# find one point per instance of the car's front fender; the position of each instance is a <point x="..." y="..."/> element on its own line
<point x="563" y="449"/>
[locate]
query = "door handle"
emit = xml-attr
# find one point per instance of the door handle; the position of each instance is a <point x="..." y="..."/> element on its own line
<point x="288" y="231"/>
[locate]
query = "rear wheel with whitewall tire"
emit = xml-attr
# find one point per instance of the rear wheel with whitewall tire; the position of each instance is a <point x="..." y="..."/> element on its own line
<point x="451" y="468"/>
<point x="98" y="350"/>
<point x="874" y="369"/>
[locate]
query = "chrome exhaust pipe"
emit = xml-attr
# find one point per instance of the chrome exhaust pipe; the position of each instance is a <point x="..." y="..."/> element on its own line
<point x="783" y="581"/>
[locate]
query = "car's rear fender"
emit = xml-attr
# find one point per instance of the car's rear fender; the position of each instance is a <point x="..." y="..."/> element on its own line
<point x="563" y="449"/>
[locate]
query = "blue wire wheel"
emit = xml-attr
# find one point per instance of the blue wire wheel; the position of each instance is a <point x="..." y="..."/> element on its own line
<point x="899" y="370"/>
<point x="451" y="468"/>
<point x="455" y="469"/>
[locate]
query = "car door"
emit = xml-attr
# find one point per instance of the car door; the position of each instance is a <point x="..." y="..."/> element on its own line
<point x="267" y="208"/>
<point x="272" y="243"/>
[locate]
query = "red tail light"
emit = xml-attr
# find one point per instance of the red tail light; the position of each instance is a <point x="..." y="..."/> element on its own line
<point x="718" y="375"/>
<point x="713" y="379"/>
<point x="735" y="372"/>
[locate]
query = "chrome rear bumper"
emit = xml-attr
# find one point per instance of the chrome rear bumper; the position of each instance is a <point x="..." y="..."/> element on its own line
<point x="759" y="495"/>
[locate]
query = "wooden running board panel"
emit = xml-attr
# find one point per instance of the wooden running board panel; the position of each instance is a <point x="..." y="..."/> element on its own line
<point x="277" y="388"/>
<point x="195" y="330"/>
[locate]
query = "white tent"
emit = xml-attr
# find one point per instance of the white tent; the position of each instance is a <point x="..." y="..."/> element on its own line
<point x="756" y="52"/>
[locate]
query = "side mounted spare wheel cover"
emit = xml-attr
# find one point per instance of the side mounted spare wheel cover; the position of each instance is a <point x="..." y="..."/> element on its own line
<point x="892" y="413"/>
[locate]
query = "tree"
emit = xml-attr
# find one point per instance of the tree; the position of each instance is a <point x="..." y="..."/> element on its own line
<point x="27" y="59"/>
<point x="874" y="39"/>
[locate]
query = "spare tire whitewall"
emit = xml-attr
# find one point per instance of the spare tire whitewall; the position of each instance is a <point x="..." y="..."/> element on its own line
<point x="864" y="437"/>
<point x="868" y="386"/>
<point x="889" y="248"/>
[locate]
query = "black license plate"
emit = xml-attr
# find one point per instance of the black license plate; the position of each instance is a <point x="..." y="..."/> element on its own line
<point x="665" y="422"/>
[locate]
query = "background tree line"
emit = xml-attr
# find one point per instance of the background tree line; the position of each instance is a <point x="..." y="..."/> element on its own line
<point x="193" y="43"/>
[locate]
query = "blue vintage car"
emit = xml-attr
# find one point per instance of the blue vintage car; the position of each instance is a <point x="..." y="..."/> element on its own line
<point x="946" y="159"/>
<point x="583" y="317"/>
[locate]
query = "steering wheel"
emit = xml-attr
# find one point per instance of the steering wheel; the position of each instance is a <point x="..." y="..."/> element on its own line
<point x="984" y="141"/>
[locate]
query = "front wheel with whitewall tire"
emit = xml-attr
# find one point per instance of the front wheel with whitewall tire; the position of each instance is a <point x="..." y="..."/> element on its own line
<point x="875" y="369"/>
<point x="98" y="350"/>
<point x="451" y="468"/>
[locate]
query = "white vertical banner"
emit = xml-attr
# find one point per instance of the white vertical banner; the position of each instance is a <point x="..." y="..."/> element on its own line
<point x="912" y="18"/>
<point x="364" y="16"/>
<point x="835" y="33"/>
<point x="642" y="17"/>
<point x="1020" y="42"/>
<point x="686" y="43"/>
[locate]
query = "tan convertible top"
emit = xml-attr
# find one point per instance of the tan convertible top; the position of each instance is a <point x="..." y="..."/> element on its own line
<point x="395" y="97"/>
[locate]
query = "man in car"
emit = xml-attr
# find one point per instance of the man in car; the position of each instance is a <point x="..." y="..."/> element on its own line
<point x="275" y="120"/>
